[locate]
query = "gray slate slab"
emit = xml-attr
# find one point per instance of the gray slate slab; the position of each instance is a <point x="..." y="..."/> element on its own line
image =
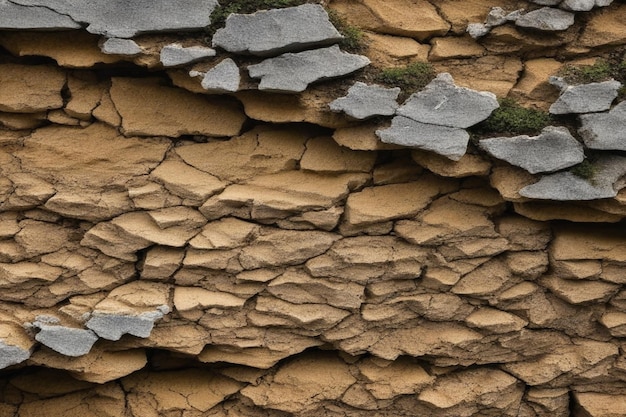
<point x="605" y="131"/>
<point x="447" y="141"/>
<point x="442" y="103"/>
<point x="15" y="17"/>
<point x="554" y="149"/>
<point x="546" y="19"/>
<point x="116" y="46"/>
<point x="114" y="326"/>
<point x="272" y="32"/>
<point x="293" y="72"/>
<point x="12" y="355"/>
<point x="127" y="18"/>
<point x="584" y="5"/>
<point x="174" y="55"/>
<point x="65" y="340"/>
<point x="222" y="78"/>
<point x="365" y="101"/>
<point x="565" y="186"/>
<point x="584" y="98"/>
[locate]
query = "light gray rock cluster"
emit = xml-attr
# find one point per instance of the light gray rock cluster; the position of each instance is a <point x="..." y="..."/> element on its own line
<point x="605" y="131"/>
<point x="553" y="150"/>
<point x="114" y="18"/>
<point x="364" y="101"/>
<point x="435" y="118"/>
<point x="117" y="46"/>
<point x="293" y="72"/>
<point x="174" y="55"/>
<point x="113" y="326"/>
<point x="12" y="355"/>
<point x="584" y="98"/>
<point x="65" y="340"/>
<point x="574" y="5"/>
<point x="547" y="19"/>
<point x="496" y="17"/>
<point x="272" y="32"/>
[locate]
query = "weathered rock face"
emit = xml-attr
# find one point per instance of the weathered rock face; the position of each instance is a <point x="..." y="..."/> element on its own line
<point x="180" y="238"/>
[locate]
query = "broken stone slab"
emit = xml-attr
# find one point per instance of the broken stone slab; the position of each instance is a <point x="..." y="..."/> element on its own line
<point x="293" y="72"/>
<point x="442" y="103"/>
<point x="222" y="78"/>
<point x="18" y="17"/>
<point x="605" y="131"/>
<point x="113" y="326"/>
<point x="584" y="98"/>
<point x="450" y="142"/>
<point x="175" y="54"/>
<point x="65" y="340"/>
<point x="271" y="32"/>
<point x="583" y="5"/>
<point x="552" y="150"/>
<point x="364" y="101"/>
<point x="565" y="186"/>
<point x="117" y="46"/>
<point x="600" y="404"/>
<point x="127" y="19"/>
<point x="546" y="19"/>
<point x="496" y="17"/>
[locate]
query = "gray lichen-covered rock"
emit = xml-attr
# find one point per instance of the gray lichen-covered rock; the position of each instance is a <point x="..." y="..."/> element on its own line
<point x="584" y="98"/>
<point x="447" y="141"/>
<point x="584" y="5"/>
<point x="293" y="72"/>
<point x="605" y="130"/>
<point x="113" y="326"/>
<point x="546" y="19"/>
<point x="175" y="54"/>
<point x="125" y="19"/>
<point x="222" y="78"/>
<point x="442" y="103"/>
<point x="116" y="46"/>
<point x="12" y="355"/>
<point x="365" y="101"/>
<point x="15" y="16"/>
<point x="65" y="340"/>
<point x="565" y="186"/>
<point x="554" y="149"/>
<point x="276" y="31"/>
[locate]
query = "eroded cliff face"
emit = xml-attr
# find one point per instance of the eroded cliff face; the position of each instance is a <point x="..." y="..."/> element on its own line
<point x="198" y="222"/>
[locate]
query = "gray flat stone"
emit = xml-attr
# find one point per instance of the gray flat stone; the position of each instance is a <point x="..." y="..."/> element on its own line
<point x="271" y="32"/>
<point x="554" y="149"/>
<point x="12" y="355"/>
<point x="565" y="186"/>
<point x="605" y="131"/>
<point x="175" y="54"/>
<point x="584" y="98"/>
<point x="114" y="326"/>
<point x="497" y="16"/>
<point x="65" y="340"/>
<point x="546" y="19"/>
<point x="15" y="17"/>
<point x="222" y="78"/>
<point x="116" y="46"/>
<point x="447" y="141"/>
<point x="293" y="72"/>
<point x="584" y="5"/>
<point x="547" y="2"/>
<point x="365" y="101"/>
<point x="127" y="18"/>
<point x="443" y="103"/>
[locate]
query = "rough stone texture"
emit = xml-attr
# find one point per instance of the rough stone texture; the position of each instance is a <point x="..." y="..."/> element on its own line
<point x="30" y="89"/>
<point x="272" y="32"/>
<point x="603" y="130"/>
<point x="116" y="46"/>
<point x="174" y="55"/>
<point x="293" y="72"/>
<point x="24" y="17"/>
<point x="414" y="19"/>
<point x="65" y="340"/>
<point x="546" y="19"/>
<point x="222" y="78"/>
<point x="585" y="98"/>
<point x="554" y="149"/>
<point x="364" y="101"/>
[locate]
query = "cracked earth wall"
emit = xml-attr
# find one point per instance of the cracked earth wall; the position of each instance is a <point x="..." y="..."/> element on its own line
<point x="177" y="245"/>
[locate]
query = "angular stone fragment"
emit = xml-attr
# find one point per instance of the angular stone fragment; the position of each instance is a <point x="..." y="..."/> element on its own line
<point x="615" y="321"/>
<point x="584" y="98"/>
<point x="302" y="383"/>
<point x="22" y="272"/>
<point x="583" y="5"/>
<point x="414" y="19"/>
<point x="30" y="88"/>
<point x="565" y="186"/>
<point x="585" y="242"/>
<point x="276" y="31"/>
<point x="442" y="103"/>
<point x="552" y="150"/>
<point x="189" y="298"/>
<point x="180" y="112"/>
<point x="161" y="262"/>
<point x="67" y="341"/>
<point x="222" y="78"/>
<point x="15" y="345"/>
<point x="127" y="19"/>
<point x="467" y="166"/>
<point x="365" y="101"/>
<point x="387" y="380"/>
<point x="174" y="54"/>
<point x="580" y="291"/>
<point x="324" y="155"/>
<point x="595" y="404"/>
<point x="316" y="317"/>
<point x="293" y="72"/>
<point x="605" y="130"/>
<point x="18" y="17"/>
<point x="189" y="183"/>
<point x="546" y="19"/>
<point x="495" y="320"/>
<point x="143" y="226"/>
<point x="116" y="46"/>
<point x="113" y="326"/>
